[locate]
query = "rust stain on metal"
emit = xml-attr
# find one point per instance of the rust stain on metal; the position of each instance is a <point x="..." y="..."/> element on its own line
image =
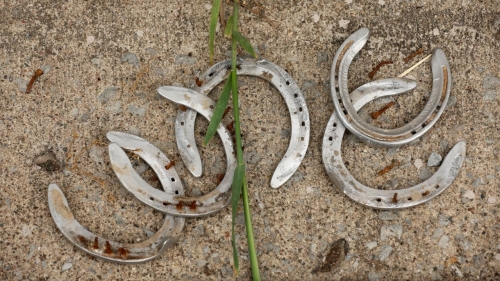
<point x="266" y="75"/>
<point x="123" y="252"/>
<point x="107" y="248"/>
<point x="377" y="113"/>
<point x="183" y="108"/>
<point x="395" y="198"/>
<point x="179" y="205"/>
<point x="199" y="82"/>
<point x="58" y="200"/>
<point x="82" y="239"/>
<point x="377" y="67"/>
<point x="193" y="206"/>
<point x="96" y="243"/>
<point x="426" y="193"/>
<point x="445" y="83"/>
<point x="170" y="165"/>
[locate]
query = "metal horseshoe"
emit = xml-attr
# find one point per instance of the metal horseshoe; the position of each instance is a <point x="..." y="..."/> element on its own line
<point x="383" y="199"/>
<point x="109" y="250"/>
<point x="299" y="115"/>
<point x="370" y="134"/>
<point x="173" y="203"/>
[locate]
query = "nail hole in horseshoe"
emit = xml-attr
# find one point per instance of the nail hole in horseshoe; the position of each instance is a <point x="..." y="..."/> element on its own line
<point x="300" y="109"/>
<point x="335" y="125"/>
<point x="379" y="200"/>
<point x="176" y="192"/>
<point x="302" y="138"/>
<point x="438" y="107"/>
<point x="151" y="198"/>
<point x="330" y="138"/>
<point x="211" y="74"/>
<point x="303" y="123"/>
<point x="166" y="203"/>
<point x="295" y="95"/>
<point x="423" y="125"/>
<point x="409" y="199"/>
<point x="288" y="82"/>
<point x="182" y="123"/>
<point x="413" y="132"/>
<point x="172" y="179"/>
<point x="437" y="186"/>
<point x="426" y="193"/>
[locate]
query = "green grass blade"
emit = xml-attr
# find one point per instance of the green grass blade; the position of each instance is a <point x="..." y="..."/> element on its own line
<point x="220" y="107"/>
<point x="214" y="17"/>
<point x="244" y="43"/>
<point x="239" y="174"/>
<point x="228" y="32"/>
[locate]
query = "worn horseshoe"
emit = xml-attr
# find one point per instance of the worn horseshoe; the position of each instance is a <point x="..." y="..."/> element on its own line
<point x="172" y="203"/>
<point x="109" y="250"/>
<point x="370" y="134"/>
<point x="299" y="115"/>
<point x="383" y="199"/>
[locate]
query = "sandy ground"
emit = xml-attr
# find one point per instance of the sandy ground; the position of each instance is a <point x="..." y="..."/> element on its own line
<point x="103" y="61"/>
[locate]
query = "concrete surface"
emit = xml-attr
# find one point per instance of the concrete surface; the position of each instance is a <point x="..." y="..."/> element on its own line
<point x="103" y="61"/>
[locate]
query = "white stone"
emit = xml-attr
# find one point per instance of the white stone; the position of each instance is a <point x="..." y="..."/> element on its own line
<point x="90" y="40"/>
<point x="381" y="2"/>
<point x="315" y="17"/>
<point x="140" y="33"/>
<point x="66" y="266"/>
<point x="418" y="163"/>
<point x="344" y="23"/>
<point x="435" y="31"/>
<point x="492" y="200"/>
<point x="371" y="245"/>
<point x="469" y="194"/>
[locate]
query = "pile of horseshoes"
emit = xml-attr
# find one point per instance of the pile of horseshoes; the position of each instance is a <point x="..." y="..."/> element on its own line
<point x="177" y="206"/>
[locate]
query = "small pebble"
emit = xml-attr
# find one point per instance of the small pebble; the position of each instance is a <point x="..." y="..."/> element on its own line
<point x="434" y="160"/>
<point x="424" y="174"/>
<point x="130" y="58"/>
<point x="491" y="82"/>
<point x="469" y="194"/>
<point x="437" y="233"/>
<point x="492" y="200"/>
<point x="418" y="163"/>
<point x="138" y="111"/>
<point x="196" y="191"/>
<point x="463" y="243"/>
<point x="371" y="245"/>
<point x="393" y="230"/>
<point x="436" y="276"/>
<point x="457" y="271"/>
<point x="108" y="94"/>
<point x="444" y="221"/>
<point x="66" y="266"/>
<point x="477" y="182"/>
<point x="497" y="257"/>
<point x="443" y="242"/>
<point x="385" y="251"/>
<point x="201" y="263"/>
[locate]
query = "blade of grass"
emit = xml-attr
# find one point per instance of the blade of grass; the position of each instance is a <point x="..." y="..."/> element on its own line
<point x="244" y="43"/>
<point x="214" y="17"/>
<point x="239" y="174"/>
<point x="220" y="107"/>
<point x="250" y="240"/>
<point x="228" y="32"/>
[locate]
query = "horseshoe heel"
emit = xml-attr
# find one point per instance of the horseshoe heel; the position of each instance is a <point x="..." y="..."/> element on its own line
<point x="171" y="203"/>
<point x="106" y="249"/>
<point x="370" y="134"/>
<point x="383" y="199"/>
<point x="290" y="91"/>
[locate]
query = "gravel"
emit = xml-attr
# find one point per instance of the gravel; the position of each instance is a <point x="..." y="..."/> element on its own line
<point x="393" y="230"/>
<point x="387" y="216"/>
<point x="130" y="58"/>
<point x="434" y="160"/>
<point x="424" y="174"/>
<point x="108" y="94"/>
<point x="443" y="242"/>
<point x="385" y="251"/>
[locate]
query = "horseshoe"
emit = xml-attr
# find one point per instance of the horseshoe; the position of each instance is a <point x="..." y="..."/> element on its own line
<point x="289" y="90"/>
<point x="172" y="203"/>
<point x="383" y="199"/>
<point x="378" y="137"/>
<point x="109" y="250"/>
